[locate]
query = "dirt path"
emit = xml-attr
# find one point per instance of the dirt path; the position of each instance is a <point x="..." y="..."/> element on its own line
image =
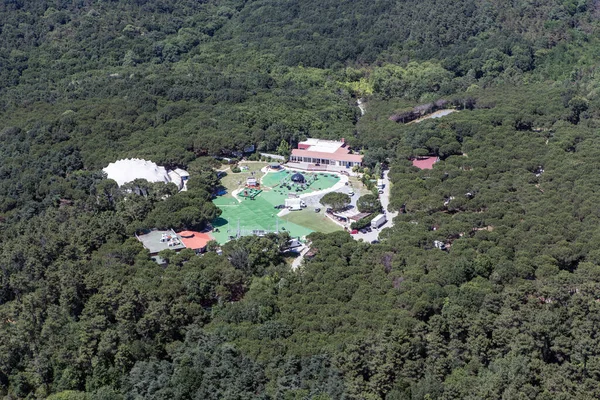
<point x="437" y="114"/>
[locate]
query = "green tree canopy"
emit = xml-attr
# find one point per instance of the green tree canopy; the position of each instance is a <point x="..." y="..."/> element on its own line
<point x="368" y="203"/>
<point x="336" y="201"/>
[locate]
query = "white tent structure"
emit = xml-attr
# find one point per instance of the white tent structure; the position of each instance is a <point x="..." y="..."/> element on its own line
<point x="295" y="204"/>
<point x="128" y="170"/>
<point x="179" y="177"/>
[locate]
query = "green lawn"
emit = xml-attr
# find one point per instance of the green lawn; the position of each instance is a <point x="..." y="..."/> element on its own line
<point x="316" y="222"/>
<point x="257" y="214"/>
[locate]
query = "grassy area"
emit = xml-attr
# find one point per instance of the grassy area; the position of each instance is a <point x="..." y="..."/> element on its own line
<point x="316" y="222"/>
<point x="260" y="214"/>
<point x="257" y="214"/>
<point x="358" y="186"/>
<point x="232" y="181"/>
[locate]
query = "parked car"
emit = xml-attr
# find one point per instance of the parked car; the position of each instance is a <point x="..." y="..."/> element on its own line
<point x="363" y="230"/>
<point x="354" y="231"/>
<point x="368" y="228"/>
<point x="375" y="241"/>
<point x="317" y="210"/>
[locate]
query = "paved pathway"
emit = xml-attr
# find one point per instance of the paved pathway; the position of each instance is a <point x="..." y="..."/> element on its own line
<point x="298" y="260"/>
<point x="385" y="202"/>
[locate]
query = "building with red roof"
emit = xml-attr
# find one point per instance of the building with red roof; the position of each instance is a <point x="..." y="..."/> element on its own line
<point x="425" y="162"/>
<point x="196" y="241"/>
<point x="325" y="152"/>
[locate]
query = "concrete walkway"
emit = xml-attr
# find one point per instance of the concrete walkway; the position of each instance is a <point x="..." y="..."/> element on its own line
<point x="341" y="183"/>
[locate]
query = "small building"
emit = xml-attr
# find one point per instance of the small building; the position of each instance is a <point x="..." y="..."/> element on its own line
<point x="359" y="216"/>
<point x="275" y="166"/>
<point x="325" y="152"/>
<point x="252" y="183"/>
<point x="156" y="241"/>
<point x="425" y="162"/>
<point x="196" y="241"/>
<point x="293" y="245"/>
<point x="440" y="245"/>
<point x="182" y="173"/>
<point x="179" y="177"/>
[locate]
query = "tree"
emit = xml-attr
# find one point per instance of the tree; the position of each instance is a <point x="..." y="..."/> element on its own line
<point x="284" y="148"/>
<point x="369" y="203"/>
<point x="336" y="201"/>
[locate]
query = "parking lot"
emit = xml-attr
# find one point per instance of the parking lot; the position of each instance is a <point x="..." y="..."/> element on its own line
<point x="385" y="201"/>
<point x="373" y="235"/>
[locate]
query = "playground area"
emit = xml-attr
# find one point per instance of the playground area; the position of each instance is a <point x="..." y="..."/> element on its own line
<point x="283" y="181"/>
<point x="249" y="193"/>
<point x="232" y="181"/>
<point x="254" y="210"/>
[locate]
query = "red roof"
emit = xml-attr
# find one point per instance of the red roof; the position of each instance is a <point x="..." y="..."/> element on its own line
<point x="425" y="163"/>
<point x="195" y="240"/>
<point x="338" y="156"/>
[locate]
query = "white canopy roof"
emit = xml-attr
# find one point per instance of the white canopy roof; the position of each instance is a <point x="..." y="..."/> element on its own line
<point x="128" y="170"/>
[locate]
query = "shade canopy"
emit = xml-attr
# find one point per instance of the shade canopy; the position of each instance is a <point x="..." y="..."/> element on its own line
<point x="298" y="178"/>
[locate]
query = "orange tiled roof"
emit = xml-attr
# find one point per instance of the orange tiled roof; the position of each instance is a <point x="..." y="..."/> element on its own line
<point x="194" y="240"/>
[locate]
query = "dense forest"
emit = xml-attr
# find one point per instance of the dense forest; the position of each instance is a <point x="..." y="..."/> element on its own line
<point x="507" y="311"/>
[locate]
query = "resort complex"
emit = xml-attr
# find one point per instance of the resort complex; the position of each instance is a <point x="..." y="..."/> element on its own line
<point x="258" y="198"/>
